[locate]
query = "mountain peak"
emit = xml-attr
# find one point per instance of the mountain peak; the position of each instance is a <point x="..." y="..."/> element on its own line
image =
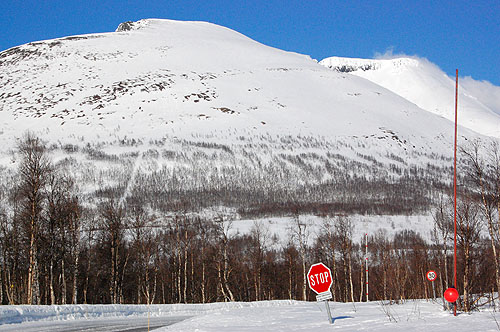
<point x="137" y="25"/>
<point x="426" y="85"/>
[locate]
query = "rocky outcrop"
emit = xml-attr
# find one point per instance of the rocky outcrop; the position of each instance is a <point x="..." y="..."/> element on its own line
<point x="125" y="26"/>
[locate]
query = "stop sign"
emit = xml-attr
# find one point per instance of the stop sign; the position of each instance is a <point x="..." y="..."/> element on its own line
<point x="319" y="278"/>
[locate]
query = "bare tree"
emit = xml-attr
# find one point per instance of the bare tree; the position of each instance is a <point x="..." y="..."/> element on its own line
<point x="468" y="231"/>
<point x="223" y="228"/>
<point x="112" y="222"/>
<point x="484" y="174"/>
<point x="300" y="235"/>
<point x="260" y="237"/>
<point x="343" y="230"/>
<point x="89" y="223"/>
<point x="329" y="242"/>
<point x="441" y="235"/>
<point x="145" y="247"/>
<point x="205" y="239"/>
<point x="34" y="170"/>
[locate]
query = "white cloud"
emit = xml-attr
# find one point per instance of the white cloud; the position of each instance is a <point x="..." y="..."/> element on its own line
<point x="487" y="93"/>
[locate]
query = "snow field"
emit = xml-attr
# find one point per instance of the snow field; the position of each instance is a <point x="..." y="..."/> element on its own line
<point x="371" y="224"/>
<point x="284" y="315"/>
<point x="416" y="315"/>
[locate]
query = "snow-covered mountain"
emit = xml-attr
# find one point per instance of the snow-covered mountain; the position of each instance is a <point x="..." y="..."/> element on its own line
<point x="155" y="78"/>
<point x="424" y="84"/>
<point x="192" y="108"/>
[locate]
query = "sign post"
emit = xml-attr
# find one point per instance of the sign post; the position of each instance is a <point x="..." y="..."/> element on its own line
<point x="320" y="280"/>
<point x="431" y="276"/>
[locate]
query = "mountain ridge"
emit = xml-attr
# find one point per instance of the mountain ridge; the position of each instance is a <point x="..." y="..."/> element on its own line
<point x="427" y="86"/>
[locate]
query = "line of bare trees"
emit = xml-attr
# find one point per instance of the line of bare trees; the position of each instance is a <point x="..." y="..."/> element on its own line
<point x="54" y="249"/>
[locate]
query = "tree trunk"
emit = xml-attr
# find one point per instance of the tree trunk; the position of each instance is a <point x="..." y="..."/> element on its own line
<point x="350" y="277"/>
<point x="334" y="272"/>
<point x="63" y="283"/>
<point x="179" y="276"/>
<point x="31" y="266"/>
<point x="1" y="288"/>
<point x="466" y="306"/>
<point x="385" y="283"/>
<point x="139" y="283"/>
<point x="489" y="218"/>
<point x="304" y="277"/>
<point x="203" y="295"/>
<point x="74" y="300"/>
<point x="51" y="282"/>
<point x="114" y="273"/>
<point x="185" y="266"/>
<point x="220" y="282"/>
<point x="226" y="273"/>
<point x="122" y="278"/>
<point x="361" y="281"/>
<point x="346" y="277"/>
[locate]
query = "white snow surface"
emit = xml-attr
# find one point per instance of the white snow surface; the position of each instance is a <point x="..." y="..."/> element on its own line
<point x="426" y="85"/>
<point x="418" y="315"/>
<point x="281" y="228"/>
<point x="308" y="316"/>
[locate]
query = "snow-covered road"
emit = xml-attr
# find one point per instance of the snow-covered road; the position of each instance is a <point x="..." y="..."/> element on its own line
<point x="123" y="324"/>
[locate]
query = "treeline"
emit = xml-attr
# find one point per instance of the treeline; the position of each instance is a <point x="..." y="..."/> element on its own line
<point x="259" y="176"/>
<point x="54" y="248"/>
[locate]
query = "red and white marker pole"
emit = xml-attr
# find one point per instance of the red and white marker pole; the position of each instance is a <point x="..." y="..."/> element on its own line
<point x="366" y="265"/>
<point x="451" y="294"/>
<point x="455" y="192"/>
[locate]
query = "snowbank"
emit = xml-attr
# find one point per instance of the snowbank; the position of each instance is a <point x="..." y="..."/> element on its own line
<point x="29" y="313"/>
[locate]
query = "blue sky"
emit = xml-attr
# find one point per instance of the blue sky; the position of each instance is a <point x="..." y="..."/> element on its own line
<point x="452" y="34"/>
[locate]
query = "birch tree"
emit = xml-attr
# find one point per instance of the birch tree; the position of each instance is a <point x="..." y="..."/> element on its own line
<point x="34" y="170"/>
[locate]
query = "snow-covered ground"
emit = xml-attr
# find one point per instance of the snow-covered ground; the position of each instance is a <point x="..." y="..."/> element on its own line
<point x="281" y="227"/>
<point x="309" y="316"/>
<point x="419" y="315"/>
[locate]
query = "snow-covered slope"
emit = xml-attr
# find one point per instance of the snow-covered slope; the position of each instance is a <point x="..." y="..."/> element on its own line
<point x="424" y="84"/>
<point x="192" y="108"/>
<point x="174" y="78"/>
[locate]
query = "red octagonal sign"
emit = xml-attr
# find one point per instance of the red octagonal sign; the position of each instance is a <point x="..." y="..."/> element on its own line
<point x="319" y="278"/>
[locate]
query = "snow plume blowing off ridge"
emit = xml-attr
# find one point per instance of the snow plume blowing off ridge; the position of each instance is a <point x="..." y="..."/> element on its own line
<point x="423" y="83"/>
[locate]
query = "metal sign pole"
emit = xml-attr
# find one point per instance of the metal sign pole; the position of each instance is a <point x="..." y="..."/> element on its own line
<point x="432" y="276"/>
<point x="328" y="311"/>
<point x="320" y="281"/>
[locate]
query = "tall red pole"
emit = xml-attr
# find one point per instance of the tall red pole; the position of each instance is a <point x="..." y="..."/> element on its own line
<point x="366" y="265"/>
<point x="455" y="193"/>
